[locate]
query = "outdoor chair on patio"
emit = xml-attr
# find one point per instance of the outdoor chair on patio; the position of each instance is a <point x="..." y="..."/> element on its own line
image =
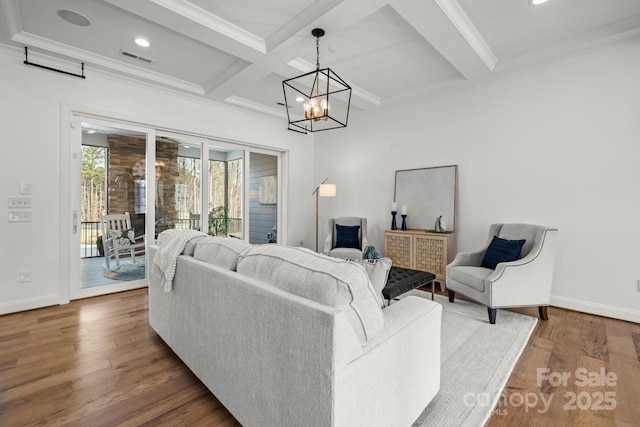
<point x="119" y="239"/>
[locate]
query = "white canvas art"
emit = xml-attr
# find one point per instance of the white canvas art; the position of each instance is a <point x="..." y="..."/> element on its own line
<point x="268" y="191"/>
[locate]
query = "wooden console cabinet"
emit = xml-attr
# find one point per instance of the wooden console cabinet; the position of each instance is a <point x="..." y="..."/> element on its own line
<point x="420" y="250"/>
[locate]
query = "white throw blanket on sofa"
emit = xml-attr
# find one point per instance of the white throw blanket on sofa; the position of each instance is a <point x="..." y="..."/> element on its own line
<point x="166" y="259"/>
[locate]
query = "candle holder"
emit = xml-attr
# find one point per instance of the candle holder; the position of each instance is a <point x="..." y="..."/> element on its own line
<point x="404" y="222"/>
<point x="393" y="220"/>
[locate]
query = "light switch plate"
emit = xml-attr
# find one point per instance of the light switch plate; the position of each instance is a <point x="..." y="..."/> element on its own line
<point x="19" y="202"/>
<point x="25" y="188"/>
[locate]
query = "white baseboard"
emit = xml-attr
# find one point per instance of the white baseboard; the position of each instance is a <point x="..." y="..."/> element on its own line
<point x="595" y="308"/>
<point x="29" y="304"/>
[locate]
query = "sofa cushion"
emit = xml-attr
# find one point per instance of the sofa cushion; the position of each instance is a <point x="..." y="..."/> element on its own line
<point x="501" y="250"/>
<point x="221" y="251"/>
<point x="330" y="281"/>
<point x="378" y="272"/>
<point x="347" y="236"/>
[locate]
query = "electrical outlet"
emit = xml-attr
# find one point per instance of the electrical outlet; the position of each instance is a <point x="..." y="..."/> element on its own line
<point x="19" y="202"/>
<point x="20" y="216"/>
<point x="24" y="276"/>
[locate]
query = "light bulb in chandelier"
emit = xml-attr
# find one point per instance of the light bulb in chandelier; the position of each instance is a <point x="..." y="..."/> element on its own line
<point x="324" y="105"/>
<point x="316" y="110"/>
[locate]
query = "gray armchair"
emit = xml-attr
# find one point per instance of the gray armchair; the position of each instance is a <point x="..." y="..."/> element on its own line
<point x="331" y="246"/>
<point x="524" y="282"/>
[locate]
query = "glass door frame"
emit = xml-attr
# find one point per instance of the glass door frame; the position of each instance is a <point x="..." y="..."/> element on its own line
<point x="75" y="290"/>
<point x="204" y="172"/>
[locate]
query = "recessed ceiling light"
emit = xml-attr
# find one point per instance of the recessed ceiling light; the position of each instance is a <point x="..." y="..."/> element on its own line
<point x="73" y="17"/>
<point x="536" y="2"/>
<point x="142" y="42"/>
<point x="91" y="131"/>
<point x="299" y="99"/>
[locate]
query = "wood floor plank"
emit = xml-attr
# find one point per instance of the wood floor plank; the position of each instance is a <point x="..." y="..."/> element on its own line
<point x="636" y="341"/>
<point x="594" y="339"/>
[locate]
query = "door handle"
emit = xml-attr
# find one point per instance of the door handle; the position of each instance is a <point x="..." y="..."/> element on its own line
<point x="75" y="221"/>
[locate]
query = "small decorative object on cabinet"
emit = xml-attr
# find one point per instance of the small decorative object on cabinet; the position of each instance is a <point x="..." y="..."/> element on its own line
<point x="421" y="250"/>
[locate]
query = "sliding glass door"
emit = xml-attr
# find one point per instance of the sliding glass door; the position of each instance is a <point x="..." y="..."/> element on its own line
<point x="154" y="181"/>
<point x="108" y="207"/>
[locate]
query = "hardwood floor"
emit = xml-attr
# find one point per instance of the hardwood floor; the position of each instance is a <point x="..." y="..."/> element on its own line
<point x="600" y="362"/>
<point x="97" y="362"/>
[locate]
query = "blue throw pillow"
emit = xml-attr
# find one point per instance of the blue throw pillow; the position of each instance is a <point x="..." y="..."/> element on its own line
<point x="501" y="250"/>
<point x="347" y="236"/>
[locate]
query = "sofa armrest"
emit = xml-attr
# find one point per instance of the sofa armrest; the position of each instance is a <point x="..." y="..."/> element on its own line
<point x="399" y="373"/>
<point x="404" y="312"/>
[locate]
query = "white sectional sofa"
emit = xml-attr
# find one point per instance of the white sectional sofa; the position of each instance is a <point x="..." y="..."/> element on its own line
<point x="283" y="336"/>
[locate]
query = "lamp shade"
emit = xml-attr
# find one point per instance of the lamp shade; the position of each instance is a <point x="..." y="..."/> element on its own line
<point x="327" y="190"/>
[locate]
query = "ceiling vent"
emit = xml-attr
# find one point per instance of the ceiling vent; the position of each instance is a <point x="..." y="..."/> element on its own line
<point x="135" y="56"/>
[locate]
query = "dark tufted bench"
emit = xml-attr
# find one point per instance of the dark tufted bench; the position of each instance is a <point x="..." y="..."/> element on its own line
<point x="403" y="280"/>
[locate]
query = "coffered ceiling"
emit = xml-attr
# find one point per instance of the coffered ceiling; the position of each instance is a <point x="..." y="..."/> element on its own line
<point x="239" y="51"/>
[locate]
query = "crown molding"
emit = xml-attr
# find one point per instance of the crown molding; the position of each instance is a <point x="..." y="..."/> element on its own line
<point x="245" y="103"/>
<point x="103" y="61"/>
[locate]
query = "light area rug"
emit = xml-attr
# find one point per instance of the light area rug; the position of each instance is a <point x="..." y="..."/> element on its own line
<point x="476" y="361"/>
<point x="126" y="272"/>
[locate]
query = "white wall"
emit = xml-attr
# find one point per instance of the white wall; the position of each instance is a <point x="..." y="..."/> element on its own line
<point x="557" y="146"/>
<point x="31" y="104"/>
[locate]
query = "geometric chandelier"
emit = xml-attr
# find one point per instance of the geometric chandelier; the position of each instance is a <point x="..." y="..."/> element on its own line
<point x="318" y="100"/>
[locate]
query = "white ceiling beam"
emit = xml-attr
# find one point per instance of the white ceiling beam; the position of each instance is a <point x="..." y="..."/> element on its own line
<point x="199" y="24"/>
<point x="13" y="15"/>
<point x="445" y="25"/>
<point x="300" y="21"/>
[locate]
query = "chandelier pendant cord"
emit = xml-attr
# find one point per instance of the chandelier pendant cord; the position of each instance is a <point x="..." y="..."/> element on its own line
<point x="317" y="53"/>
<point x="317" y="69"/>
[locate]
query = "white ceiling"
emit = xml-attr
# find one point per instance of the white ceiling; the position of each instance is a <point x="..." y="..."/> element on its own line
<point x="239" y="51"/>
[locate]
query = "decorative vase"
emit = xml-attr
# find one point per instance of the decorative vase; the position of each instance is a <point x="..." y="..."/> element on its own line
<point x="438" y="225"/>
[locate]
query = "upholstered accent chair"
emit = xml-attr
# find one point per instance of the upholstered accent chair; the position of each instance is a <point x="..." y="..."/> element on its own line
<point x="344" y="239"/>
<point x="523" y="282"/>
